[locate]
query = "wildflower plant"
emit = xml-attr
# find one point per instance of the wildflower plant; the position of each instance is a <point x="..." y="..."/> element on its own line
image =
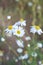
<point x="19" y="45"/>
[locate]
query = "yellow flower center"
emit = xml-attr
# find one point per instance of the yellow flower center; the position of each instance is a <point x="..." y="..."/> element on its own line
<point x="10" y="27"/>
<point x="21" y="20"/>
<point x="37" y="27"/>
<point x="18" y="32"/>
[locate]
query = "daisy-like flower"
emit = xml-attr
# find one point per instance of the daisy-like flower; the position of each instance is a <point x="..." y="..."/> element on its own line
<point x="25" y="56"/>
<point x="30" y="3"/>
<point x="16" y="60"/>
<point x="28" y="45"/>
<point x="1" y="53"/>
<point x="39" y="45"/>
<point x="20" y="43"/>
<point x="19" y="50"/>
<point x="38" y="7"/>
<point x="40" y="63"/>
<point x="22" y="22"/>
<point x="19" y="32"/>
<point x="36" y="29"/>
<point x="34" y="54"/>
<point x="8" y="17"/>
<point x="9" y="30"/>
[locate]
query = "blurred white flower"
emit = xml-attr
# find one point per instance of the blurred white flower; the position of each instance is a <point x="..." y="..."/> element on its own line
<point x="7" y="57"/>
<point x="40" y="62"/>
<point x="19" y="50"/>
<point x="1" y="53"/>
<point x="2" y="39"/>
<point x="28" y="38"/>
<point x="20" y="43"/>
<point x="21" y="22"/>
<point x="36" y="29"/>
<point x="19" y="32"/>
<point x="9" y="30"/>
<point x="16" y="60"/>
<point x="25" y="56"/>
<point x="34" y="54"/>
<point x="39" y="45"/>
<point x="9" y="17"/>
<point x="38" y="7"/>
<point x="29" y="61"/>
<point x="28" y="45"/>
<point x="30" y="3"/>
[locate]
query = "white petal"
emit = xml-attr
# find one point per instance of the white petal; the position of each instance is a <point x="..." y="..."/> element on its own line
<point x="20" y="43"/>
<point x="19" y="50"/>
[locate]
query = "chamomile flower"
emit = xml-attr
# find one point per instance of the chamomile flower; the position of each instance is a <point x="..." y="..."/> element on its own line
<point x="38" y="7"/>
<point x="22" y="22"/>
<point x="2" y="39"/>
<point x="28" y="45"/>
<point x="20" y="43"/>
<point x="36" y="29"/>
<point x="8" y="17"/>
<point x="40" y="63"/>
<point x="39" y="45"/>
<point x="23" y="57"/>
<point x="30" y="3"/>
<point x="19" y="50"/>
<point x="1" y="53"/>
<point x="9" y="30"/>
<point x="19" y="32"/>
<point x="34" y="54"/>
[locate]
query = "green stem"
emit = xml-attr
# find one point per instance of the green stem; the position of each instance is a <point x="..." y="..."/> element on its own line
<point x="34" y="11"/>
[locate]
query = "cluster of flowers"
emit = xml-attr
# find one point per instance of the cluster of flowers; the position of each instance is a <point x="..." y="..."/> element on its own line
<point x="18" y="30"/>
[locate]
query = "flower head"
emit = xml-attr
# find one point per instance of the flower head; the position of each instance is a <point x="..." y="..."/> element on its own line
<point x="2" y="39"/>
<point x="39" y="45"/>
<point x="9" y="30"/>
<point x="30" y="3"/>
<point x="19" y="50"/>
<point x="21" y="22"/>
<point x="9" y="17"/>
<point x="23" y="57"/>
<point x="36" y="29"/>
<point x="19" y="32"/>
<point x="34" y="54"/>
<point x="40" y="62"/>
